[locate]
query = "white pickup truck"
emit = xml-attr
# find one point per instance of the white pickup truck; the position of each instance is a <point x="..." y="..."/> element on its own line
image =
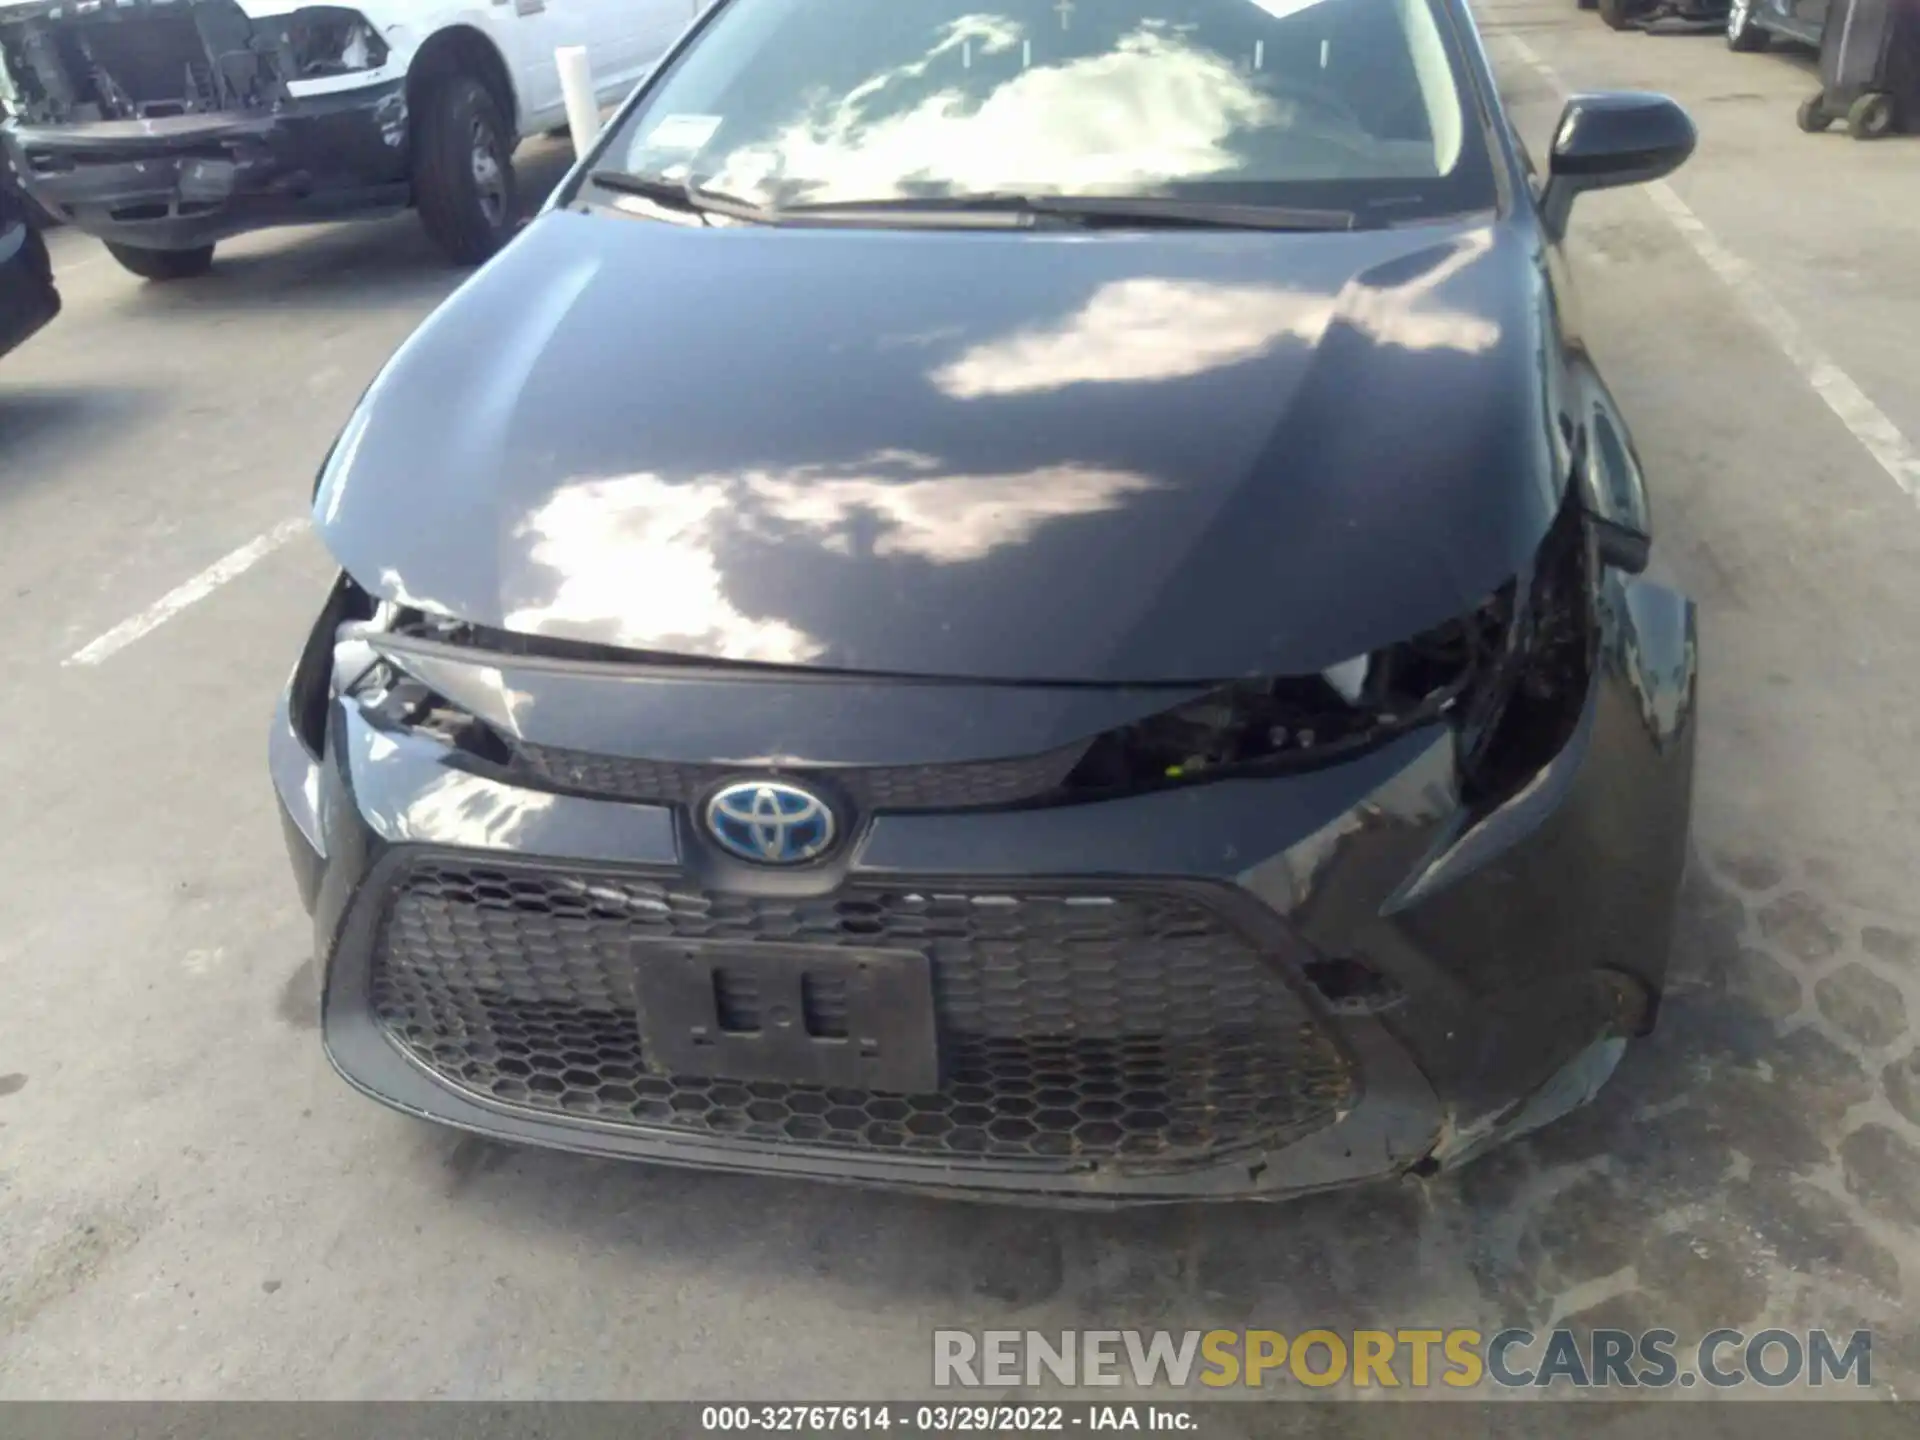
<point x="166" y="126"/>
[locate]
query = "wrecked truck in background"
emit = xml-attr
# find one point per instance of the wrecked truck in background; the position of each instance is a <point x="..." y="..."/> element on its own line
<point x="166" y="126"/>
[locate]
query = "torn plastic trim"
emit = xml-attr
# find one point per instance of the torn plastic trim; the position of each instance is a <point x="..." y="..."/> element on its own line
<point x="1575" y="1084"/>
<point x="1482" y="836"/>
<point x="1625" y="1014"/>
<point x="1538" y="732"/>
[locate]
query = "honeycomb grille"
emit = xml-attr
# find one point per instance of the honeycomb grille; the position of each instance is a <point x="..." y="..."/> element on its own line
<point x="972" y="785"/>
<point x="1137" y="1027"/>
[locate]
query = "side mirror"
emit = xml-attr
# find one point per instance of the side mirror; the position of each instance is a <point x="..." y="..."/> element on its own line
<point x="1623" y="550"/>
<point x="1623" y="137"/>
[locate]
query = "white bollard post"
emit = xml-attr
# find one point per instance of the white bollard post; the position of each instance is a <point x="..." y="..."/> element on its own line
<point x="576" y="87"/>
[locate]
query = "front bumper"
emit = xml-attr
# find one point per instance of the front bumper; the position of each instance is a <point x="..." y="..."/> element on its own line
<point x="1514" y="950"/>
<point x="190" y="180"/>
<point x="28" y="299"/>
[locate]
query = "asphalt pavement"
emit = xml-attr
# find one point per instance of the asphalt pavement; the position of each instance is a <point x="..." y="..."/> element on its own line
<point x="192" y="1205"/>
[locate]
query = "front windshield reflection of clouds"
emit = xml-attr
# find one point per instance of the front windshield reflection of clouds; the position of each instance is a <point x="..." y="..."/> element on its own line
<point x="789" y="102"/>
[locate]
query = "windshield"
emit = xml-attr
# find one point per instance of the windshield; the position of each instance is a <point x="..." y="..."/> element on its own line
<point x="1349" y="103"/>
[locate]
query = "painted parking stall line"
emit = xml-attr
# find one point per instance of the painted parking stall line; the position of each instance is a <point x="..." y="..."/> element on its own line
<point x="1865" y="421"/>
<point x="228" y="567"/>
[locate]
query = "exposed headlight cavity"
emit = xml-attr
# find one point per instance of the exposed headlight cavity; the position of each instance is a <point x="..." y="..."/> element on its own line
<point x="1509" y="679"/>
<point x="1286" y="723"/>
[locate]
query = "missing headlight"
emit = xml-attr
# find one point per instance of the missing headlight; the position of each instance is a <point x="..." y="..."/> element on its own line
<point x="393" y="700"/>
<point x="1275" y="725"/>
<point x="1510" y="679"/>
<point x="338" y="661"/>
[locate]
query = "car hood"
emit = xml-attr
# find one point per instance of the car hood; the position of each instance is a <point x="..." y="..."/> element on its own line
<point x="1013" y="455"/>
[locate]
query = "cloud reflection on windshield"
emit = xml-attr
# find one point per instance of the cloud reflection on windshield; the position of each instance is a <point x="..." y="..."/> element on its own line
<point x="1154" y="108"/>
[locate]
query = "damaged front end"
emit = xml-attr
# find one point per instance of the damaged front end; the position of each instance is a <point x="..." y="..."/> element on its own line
<point x="1458" y="854"/>
<point x="168" y="124"/>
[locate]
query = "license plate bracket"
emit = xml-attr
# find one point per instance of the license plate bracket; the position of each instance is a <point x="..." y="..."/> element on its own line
<point x="819" y="1015"/>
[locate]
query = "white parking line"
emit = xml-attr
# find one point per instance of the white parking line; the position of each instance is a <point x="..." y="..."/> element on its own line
<point x="73" y="252"/>
<point x="1866" y="421"/>
<point x="180" y="597"/>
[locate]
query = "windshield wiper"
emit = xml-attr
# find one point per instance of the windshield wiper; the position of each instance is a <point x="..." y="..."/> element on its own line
<point x="681" y="195"/>
<point x="985" y="209"/>
<point x="1152" y="210"/>
<point x="1092" y="209"/>
<point x="695" y="199"/>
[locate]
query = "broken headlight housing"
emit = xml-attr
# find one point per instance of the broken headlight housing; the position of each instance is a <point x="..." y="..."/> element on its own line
<point x="391" y="699"/>
<point x="1509" y="678"/>
<point x="1274" y="725"/>
<point x="339" y="660"/>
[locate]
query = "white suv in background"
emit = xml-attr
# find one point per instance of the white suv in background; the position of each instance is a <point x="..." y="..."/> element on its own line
<point x="165" y="126"/>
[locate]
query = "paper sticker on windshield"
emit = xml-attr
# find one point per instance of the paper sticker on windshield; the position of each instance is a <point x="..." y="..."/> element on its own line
<point x="1281" y="9"/>
<point x="683" y="132"/>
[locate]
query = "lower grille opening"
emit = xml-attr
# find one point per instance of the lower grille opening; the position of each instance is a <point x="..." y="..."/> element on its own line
<point x="1350" y="986"/>
<point x="736" y="1000"/>
<point x="823" y="1006"/>
<point x="1139" y="1028"/>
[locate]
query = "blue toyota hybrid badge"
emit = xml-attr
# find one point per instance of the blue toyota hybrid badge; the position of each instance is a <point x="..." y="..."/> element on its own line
<point x="770" y="822"/>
